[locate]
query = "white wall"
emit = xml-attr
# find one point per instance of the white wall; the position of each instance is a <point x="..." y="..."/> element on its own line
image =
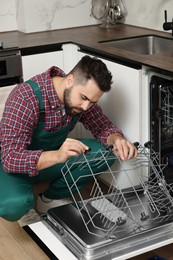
<point x="148" y="13"/>
<point x="41" y="15"/>
<point x="7" y="15"/>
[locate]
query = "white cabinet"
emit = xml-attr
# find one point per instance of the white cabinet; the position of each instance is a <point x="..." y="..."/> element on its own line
<point x="70" y="51"/>
<point x="35" y="64"/>
<point x="38" y="63"/>
<point x="122" y="104"/>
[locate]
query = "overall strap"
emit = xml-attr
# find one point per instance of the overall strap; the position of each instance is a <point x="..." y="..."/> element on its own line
<point x="37" y="92"/>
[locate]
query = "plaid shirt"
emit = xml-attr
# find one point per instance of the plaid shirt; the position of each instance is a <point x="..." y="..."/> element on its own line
<point x="21" y="116"/>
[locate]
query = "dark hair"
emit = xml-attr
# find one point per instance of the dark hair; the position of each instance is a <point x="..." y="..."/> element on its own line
<point x="92" y="68"/>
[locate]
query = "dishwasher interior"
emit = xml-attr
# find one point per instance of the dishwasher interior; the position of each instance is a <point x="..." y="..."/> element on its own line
<point x="112" y="221"/>
<point x="161" y="114"/>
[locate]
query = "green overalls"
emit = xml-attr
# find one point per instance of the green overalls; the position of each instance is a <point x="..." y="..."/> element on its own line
<point x="16" y="193"/>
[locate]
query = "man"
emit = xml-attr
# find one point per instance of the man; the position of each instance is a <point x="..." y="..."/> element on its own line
<point x="38" y="116"/>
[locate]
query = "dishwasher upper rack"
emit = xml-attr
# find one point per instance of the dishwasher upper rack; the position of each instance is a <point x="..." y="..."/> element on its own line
<point x="167" y="106"/>
<point x="118" y="213"/>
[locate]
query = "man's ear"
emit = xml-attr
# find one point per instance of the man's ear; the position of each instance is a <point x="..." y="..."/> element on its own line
<point x="70" y="80"/>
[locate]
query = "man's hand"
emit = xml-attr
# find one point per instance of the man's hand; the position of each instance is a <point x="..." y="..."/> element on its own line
<point x="122" y="147"/>
<point x="70" y="148"/>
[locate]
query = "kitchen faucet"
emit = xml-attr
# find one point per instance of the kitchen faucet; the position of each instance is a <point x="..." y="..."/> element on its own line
<point x="168" y="25"/>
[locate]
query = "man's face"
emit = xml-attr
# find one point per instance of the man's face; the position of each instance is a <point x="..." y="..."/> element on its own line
<point x="79" y="98"/>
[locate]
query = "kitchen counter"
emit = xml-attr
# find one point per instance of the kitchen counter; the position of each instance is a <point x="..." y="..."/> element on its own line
<point x="88" y="38"/>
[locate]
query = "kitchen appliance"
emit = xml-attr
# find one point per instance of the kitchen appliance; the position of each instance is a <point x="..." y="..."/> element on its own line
<point x="10" y="71"/>
<point x="161" y="117"/>
<point x="113" y="223"/>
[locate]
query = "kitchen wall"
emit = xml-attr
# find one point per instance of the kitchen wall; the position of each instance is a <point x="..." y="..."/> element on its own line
<point x="41" y="15"/>
<point x="148" y="13"/>
<point x="7" y="16"/>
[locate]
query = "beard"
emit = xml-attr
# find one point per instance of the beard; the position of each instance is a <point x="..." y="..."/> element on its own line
<point x="69" y="109"/>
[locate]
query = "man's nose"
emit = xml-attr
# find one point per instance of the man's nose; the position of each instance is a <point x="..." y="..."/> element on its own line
<point x="85" y="105"/>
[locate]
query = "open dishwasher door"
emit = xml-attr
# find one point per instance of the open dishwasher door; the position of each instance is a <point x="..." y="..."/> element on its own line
<point x="113" y="223"/>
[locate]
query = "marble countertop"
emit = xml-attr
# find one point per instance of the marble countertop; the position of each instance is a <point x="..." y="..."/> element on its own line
<point x="88" y="38"/>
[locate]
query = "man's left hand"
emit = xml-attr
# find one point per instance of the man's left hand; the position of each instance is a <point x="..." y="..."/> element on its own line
<point x="122" y="147"/>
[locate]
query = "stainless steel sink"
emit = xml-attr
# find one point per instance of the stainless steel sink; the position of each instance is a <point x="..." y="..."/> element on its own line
<point x="145" y="45"/>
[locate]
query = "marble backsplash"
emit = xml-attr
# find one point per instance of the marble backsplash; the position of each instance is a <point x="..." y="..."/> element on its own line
<point x="42" y="15"/>
<point x="149" y="14"/>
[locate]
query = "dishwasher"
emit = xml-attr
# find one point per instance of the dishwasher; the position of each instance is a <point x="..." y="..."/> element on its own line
<point x="111" y="222"/>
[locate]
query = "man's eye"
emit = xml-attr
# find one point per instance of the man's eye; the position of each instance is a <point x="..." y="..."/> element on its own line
<point x="84" y="97"/>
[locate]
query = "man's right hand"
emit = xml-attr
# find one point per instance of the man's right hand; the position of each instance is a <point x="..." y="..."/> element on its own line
<point x="70" y="148"/>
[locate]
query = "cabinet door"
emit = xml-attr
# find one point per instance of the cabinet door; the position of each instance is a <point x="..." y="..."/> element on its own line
<point x="38" y="63"/>
<point x="122" y="103"/>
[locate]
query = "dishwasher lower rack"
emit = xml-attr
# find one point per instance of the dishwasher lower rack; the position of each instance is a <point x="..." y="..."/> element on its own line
<point x="100" y="226"/>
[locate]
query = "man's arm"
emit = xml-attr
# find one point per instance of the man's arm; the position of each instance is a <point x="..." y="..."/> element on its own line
<point x="107" y="133"/>
<point x="70" y="148"/>
<point x="122" y="147"/>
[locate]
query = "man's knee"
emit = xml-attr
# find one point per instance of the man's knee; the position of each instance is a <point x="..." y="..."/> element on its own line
<point x="12" y="209"/>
